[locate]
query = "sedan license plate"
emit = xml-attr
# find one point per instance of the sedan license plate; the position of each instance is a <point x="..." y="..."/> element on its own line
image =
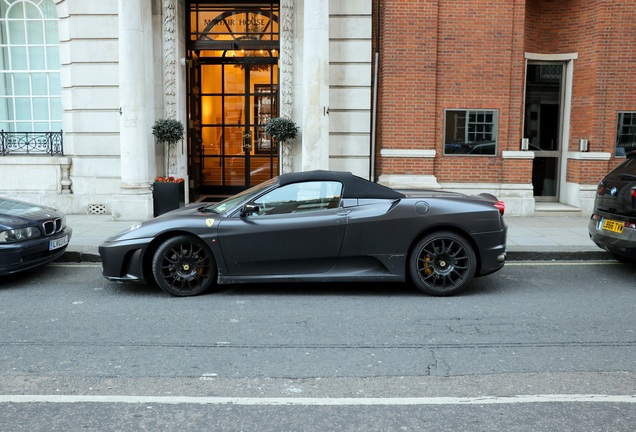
<point x="614" y="226"/>
<point x="58" y="243"/>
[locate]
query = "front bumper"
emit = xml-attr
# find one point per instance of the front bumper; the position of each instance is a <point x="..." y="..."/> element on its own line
<point x="24" y="255"/>
<point x="123" y="260"/>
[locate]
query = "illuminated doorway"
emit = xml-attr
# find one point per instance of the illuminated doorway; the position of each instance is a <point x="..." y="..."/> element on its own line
<point x="233" y="92"/>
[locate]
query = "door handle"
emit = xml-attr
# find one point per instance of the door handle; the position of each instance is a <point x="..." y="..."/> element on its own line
<point x="247" y="142"/>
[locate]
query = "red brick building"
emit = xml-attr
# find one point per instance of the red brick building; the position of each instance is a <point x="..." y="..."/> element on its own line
<point x="465" y="86"/>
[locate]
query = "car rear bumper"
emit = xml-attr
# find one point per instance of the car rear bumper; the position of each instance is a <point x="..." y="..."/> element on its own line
<point x="492" y="247"/>
<point x="618" y="243"/>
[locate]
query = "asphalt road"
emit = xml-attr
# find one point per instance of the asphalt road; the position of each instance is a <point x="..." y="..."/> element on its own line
<point x="536" y="346"/>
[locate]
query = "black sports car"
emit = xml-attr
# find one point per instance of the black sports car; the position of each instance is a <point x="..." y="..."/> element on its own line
<point x="315" y="226"/>
<point x="30" y="235"/>
<point x="613" y="223"/>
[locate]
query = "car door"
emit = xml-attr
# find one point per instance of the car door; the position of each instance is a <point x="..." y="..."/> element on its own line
<point x="299" y="229"/>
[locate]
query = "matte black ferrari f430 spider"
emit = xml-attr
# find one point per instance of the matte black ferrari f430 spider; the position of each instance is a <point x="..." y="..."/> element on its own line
<point x="316" y="226"/>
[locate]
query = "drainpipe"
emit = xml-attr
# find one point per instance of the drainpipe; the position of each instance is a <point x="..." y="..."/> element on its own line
<point x="374" y="109"/>
<point x="374" y="117"/>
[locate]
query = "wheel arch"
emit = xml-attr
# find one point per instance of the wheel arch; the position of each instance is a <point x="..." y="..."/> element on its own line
<point x="146" y="262"/>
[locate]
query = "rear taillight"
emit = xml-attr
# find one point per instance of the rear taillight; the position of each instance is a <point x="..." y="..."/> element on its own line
<point x="499" y="205"/>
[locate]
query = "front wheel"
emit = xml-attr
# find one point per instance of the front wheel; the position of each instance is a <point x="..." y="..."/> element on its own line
<point x="442" y="263"/>
<point x="184" y="266"/>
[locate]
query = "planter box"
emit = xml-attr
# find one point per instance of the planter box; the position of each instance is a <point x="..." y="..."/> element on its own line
<point x="167" y="197"/>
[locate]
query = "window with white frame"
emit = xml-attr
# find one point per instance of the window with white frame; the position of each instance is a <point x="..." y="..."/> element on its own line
<point x="625" y="133"/>
<point x="30" y="90"/>
<point x="470" y="132"/>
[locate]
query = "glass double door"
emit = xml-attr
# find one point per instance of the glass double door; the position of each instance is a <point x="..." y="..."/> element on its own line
<point x="232" y="56"/>
<point x="543" y="127"/>
<point x="236" y="100"/>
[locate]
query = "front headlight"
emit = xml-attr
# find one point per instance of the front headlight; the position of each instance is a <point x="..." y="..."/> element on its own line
<point x="15" y="235"/>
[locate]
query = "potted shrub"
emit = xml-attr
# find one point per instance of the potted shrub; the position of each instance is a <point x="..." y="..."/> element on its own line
<point x="168" y="132"/>
<point x="281" y="129"/>
<point x="168" y="192"/>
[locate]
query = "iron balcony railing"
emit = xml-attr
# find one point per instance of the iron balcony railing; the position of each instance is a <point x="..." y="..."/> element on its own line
<point x="35" y="143"/>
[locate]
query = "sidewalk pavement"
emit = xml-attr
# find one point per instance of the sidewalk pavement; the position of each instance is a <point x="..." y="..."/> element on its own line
<point x="529" y="238"/>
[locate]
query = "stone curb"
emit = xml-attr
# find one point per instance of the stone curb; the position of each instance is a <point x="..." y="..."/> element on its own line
<point x="79" y="257"/>
<point x="599" y="255"/>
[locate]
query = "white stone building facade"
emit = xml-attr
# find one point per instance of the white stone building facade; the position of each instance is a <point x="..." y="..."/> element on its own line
<point x="124" y="64"/>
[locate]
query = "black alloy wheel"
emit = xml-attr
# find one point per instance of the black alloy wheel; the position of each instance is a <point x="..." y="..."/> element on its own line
<point x="442" y="264"/>
<point x="184" y="266"/>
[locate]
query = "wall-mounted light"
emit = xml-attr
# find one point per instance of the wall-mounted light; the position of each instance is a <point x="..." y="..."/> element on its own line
<point x="583" y="145"/>
<point x="525" y="144"/>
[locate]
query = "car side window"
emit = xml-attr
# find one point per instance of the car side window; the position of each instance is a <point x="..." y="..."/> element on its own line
<point x="300" y="197"/>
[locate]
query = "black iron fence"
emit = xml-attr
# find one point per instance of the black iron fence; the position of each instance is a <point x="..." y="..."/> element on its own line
<point x="36" y="143"/>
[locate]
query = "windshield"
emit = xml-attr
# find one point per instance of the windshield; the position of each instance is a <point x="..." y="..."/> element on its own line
<point x="230" y="203"/>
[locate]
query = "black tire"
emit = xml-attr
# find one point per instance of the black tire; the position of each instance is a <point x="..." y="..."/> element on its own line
<point x="442" y="264"/>
<point x="184" y="266"/>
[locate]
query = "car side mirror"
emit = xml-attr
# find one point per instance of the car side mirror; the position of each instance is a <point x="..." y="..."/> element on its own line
<point x="249" y="209"/>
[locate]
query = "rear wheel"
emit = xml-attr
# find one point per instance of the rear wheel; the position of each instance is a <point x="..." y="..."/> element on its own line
<point x="184" y="266"/>
<point x="442" y="263"/>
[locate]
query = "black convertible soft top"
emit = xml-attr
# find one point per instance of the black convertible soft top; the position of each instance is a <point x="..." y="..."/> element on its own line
<point x="354" y="186"/>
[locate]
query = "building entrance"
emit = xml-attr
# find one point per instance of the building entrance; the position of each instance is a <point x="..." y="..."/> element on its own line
<point x="543" y="126"/>
<point x="233" y="92"/>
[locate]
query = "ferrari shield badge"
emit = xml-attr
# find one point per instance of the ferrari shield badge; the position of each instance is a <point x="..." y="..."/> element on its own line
<point x="209" y="222"/>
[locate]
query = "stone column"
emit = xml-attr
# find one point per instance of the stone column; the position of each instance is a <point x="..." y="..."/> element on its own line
<point x="315" y="98"/>
<point x="286" y="73"/>
<point x="169" y="35"/>
<point x="136" y="141"/>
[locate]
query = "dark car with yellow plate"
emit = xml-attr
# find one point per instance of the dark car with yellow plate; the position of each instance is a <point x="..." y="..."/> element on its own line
<point x="31" y="235"/>
<point x="613" y="223"/>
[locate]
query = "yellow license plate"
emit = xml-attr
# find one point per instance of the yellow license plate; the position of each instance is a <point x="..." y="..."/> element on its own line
<point x="613" y="226"/>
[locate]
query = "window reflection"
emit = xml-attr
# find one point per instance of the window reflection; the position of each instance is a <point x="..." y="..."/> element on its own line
<point x="300" y="197"/>
<point x="470" y="132"/>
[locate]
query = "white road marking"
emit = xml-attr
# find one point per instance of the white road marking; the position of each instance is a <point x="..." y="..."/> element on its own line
<point x="173" y="400"/>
